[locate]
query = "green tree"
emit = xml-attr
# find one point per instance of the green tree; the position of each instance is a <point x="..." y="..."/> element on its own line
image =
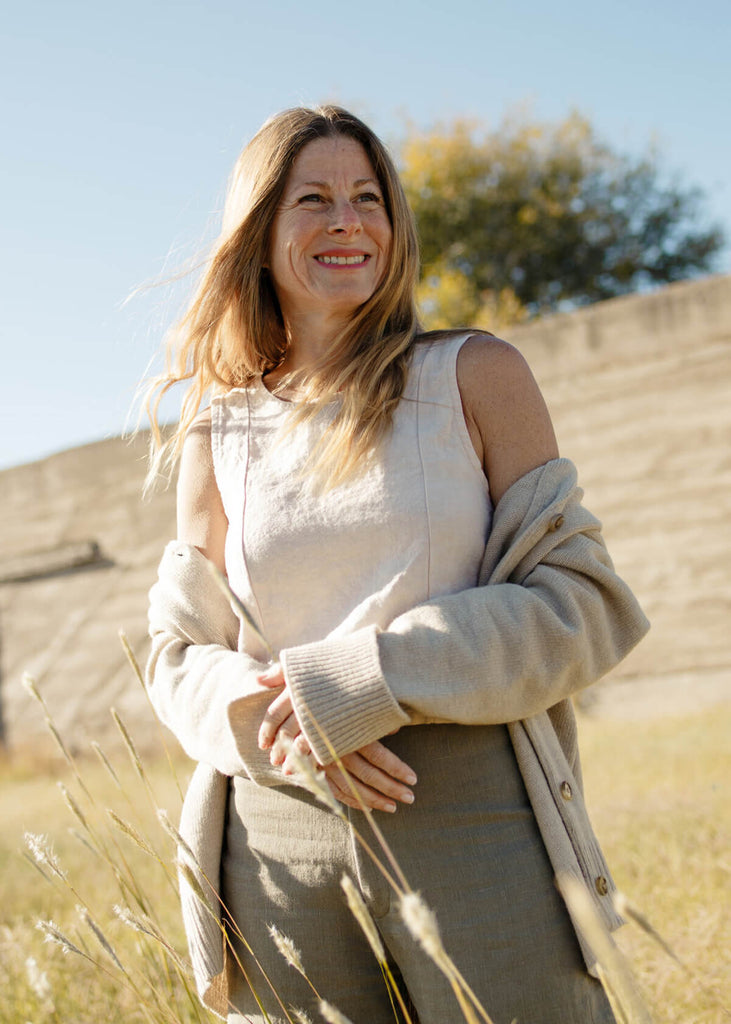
<point x="534" y="216"/>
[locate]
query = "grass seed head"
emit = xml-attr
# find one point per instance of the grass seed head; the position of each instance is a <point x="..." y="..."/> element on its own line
<point x="189" y="876"/>
<point x="287" y="948"/>
<point x="132" y="921"/>
<point x="40" y="849"/>
<point x="30" y="686"/>
<point x="51" y="933"/>
<point x="72" y="805"/>
<point x="331" y="1013"/>
<point x="183" y="848"/>
<point x="142" y="924"/>
<point x="422" y="925"/>
<point x="131" y="832"/>
<point x="360" y="912"/>
<point x="132" y="750"/>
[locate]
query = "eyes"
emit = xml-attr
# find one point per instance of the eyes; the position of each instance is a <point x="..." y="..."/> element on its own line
<point x="367" y="199"/>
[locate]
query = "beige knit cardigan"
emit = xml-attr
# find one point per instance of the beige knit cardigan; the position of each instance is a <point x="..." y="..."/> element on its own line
<point x="548" y="617"/>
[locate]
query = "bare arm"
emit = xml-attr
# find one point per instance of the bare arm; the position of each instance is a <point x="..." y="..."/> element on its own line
<point x="202" y="521"/>
<point x="504" y="410"/>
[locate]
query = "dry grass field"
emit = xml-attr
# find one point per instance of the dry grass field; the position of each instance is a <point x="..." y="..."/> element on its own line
<point x="658" y="793"/>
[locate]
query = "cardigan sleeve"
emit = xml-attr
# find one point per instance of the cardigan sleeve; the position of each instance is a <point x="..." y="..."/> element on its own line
<point x="201" y="687"/>
<point x="552" y="617"/>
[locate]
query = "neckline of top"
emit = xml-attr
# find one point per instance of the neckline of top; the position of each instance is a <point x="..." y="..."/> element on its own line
<point x="263" y="390"/>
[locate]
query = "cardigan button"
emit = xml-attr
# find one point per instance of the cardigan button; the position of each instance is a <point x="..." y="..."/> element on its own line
<point x="601" y="885"/>
<point x="566" y="792"/>
<point x="556" y="523"/>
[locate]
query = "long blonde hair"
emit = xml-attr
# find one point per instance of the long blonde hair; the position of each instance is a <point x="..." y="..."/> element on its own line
<point x="233" y="330"/>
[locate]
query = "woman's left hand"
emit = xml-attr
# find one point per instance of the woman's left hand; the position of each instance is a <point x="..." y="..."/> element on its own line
<point x="279" y="728"/>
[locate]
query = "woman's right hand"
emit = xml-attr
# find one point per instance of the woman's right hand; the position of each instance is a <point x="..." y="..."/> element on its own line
<point x="378" y="775"/>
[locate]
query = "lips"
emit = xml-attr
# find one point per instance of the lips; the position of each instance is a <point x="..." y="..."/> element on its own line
<point x="341" y="260"/>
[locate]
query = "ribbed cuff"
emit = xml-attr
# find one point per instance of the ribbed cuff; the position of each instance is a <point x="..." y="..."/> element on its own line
<point x="339" y="693"/>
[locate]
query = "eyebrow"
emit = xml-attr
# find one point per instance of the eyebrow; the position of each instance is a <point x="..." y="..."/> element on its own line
<point x="357" y="183"/>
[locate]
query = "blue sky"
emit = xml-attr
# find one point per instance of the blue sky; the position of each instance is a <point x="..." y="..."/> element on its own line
<point x="121" y="123"/>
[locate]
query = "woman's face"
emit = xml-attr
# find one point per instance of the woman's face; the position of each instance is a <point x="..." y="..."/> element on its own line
<point x="331" y="236"/>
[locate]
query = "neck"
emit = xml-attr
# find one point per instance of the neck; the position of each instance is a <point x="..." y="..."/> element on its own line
<point x="309" y="339"/>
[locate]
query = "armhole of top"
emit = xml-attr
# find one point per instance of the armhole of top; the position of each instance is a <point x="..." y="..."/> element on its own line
<point x="217" y="418"/>
<point x="450" y="368"/>
<point x="229" y="420"/>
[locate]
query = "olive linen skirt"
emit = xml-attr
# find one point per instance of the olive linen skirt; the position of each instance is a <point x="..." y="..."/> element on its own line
<point x="469" y="844"/>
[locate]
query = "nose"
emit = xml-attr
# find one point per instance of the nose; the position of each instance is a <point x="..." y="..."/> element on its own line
<point x="344" y="219"/>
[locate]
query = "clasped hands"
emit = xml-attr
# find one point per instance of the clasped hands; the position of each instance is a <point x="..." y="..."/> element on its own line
<point x="379" y="776"/>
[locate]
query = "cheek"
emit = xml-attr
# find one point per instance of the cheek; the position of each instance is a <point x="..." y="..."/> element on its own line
<point x="386" y="238"/>
<point x="386" y="245"/>
<point x="284" y="266"/>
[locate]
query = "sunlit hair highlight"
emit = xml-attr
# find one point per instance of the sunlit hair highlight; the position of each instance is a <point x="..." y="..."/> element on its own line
<point x="233" y="330"/>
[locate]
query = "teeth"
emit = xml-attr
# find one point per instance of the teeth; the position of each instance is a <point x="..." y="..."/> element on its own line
<point x="342" y="261"/>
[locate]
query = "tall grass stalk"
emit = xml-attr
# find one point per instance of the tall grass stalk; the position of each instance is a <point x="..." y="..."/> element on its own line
<point x="615" y="973"/>
<point x="359" y="910"/>
<point x="139" y="676"/>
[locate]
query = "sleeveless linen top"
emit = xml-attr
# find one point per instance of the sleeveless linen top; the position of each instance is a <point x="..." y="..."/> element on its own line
<point x="309" y="562"/>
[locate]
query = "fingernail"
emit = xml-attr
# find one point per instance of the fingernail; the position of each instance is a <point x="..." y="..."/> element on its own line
<point x="408" y="798"/>
<point x="391" y="808"/>
<point x="411" y="779"/>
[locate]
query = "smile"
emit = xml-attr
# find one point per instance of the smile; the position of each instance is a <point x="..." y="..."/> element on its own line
<point x="343" y="261"/>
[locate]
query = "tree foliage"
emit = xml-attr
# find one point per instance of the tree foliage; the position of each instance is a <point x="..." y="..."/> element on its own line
<point x="535" y="217"/>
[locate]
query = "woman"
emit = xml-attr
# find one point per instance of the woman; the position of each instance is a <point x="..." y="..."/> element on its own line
<point x="391" y="509"/>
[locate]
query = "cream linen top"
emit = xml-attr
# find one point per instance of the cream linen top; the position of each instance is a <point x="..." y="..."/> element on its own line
<point x="311" y="563"/>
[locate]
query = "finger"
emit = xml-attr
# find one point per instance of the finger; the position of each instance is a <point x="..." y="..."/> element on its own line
<point x="278" y="711"/>
<point x="282" y="743"/>
<point x="272" y="677"/>
<point x="300" y="748"/>
<point x="375" y="778"/>
<point x="343" y="798"/>
<point x="387" y="761"/>
<point x="363" y="795"/>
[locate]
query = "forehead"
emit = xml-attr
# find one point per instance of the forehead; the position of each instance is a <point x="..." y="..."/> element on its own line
<point x="329" y="159"/>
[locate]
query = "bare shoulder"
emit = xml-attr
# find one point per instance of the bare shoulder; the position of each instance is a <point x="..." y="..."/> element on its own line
<point x="504" y="410"/>
<point x="201" y="519"/>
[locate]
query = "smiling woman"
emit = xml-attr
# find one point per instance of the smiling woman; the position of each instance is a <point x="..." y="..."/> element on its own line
<point x="389" y="507"/>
